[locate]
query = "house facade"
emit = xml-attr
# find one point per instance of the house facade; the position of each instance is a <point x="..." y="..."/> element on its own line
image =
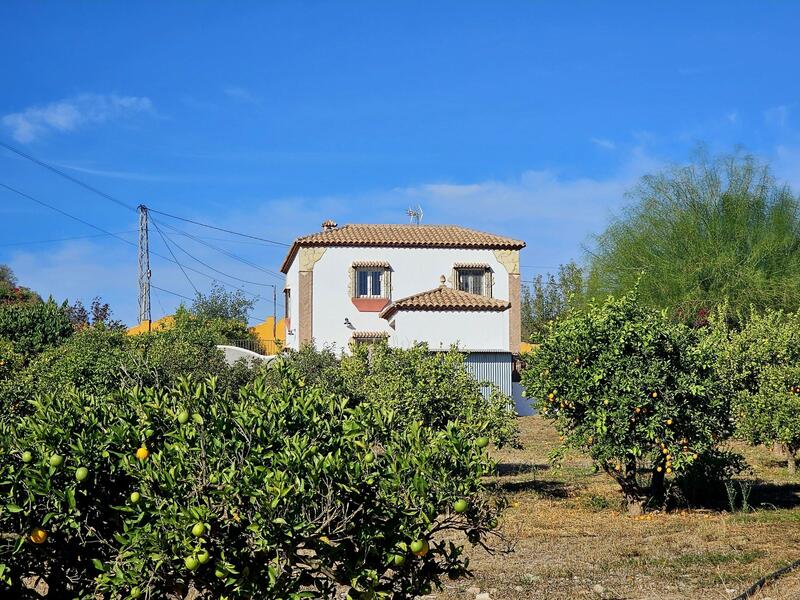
<point x="440" y="284"/>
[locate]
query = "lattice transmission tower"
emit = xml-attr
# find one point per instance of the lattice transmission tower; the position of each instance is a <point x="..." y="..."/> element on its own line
<point x="144" y="267"/>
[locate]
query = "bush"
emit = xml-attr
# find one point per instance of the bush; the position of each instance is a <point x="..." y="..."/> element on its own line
<point x="280" y="492"/>
<point x="428" y="387"/>
<point x="91" y="359"/>
<point x="34" y="326"/>
<point x="634" y="390"/>
<point x="761" y="365"/>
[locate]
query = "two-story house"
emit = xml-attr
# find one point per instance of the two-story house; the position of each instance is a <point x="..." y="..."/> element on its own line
<point x="441" y="284"/>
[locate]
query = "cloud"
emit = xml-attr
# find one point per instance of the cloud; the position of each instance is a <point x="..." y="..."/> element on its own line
<point x="732" y="116"/>
<point x="70" y="114"/>
<point x="603" y="143"/>
<point x="241" y="94"/>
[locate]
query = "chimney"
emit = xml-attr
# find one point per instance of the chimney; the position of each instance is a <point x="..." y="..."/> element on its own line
<point x="328" y="225"/>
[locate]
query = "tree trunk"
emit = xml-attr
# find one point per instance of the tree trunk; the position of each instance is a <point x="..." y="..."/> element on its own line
<point x="791" y="458"/>
<point x="635" y="497"/>
<point x="634" y="504"/>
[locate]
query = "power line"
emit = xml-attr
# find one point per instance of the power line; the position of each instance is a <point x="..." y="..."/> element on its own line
<point x="67" y="239"/>
<point x="254" y="237"/>
<point x="67" y="176"/>
<point x="155" y="287"/>
<point x="205" y="264"/>
<point x="122" y="203"/>
<point x="223" y="251"/>
<point x="66" y="214"/>
<point x="129" y="243"/>
<point x="158" y="229"/>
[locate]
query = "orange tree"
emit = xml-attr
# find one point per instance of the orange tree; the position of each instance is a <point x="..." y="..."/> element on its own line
<point x="635" y="391"/>
<point x="279" y="491"/>
<point x="761" y="365"/>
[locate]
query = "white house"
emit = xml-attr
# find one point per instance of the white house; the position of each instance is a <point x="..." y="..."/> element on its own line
<point x="441" y="284"/>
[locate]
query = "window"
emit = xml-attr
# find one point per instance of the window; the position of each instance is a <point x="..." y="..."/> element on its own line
<point x="287" y="307"/>
<point x="369" y="283"/>
<point x="472" y="281"/>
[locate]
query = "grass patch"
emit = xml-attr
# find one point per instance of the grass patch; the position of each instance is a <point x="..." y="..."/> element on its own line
<point x="569" y="534"/>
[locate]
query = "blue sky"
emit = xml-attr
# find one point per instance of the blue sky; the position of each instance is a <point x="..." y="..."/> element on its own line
<point x="530" y="119"/>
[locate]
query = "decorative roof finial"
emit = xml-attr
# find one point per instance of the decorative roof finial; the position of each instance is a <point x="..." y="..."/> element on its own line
<point x="328" y="225"/>
<point x="442" y="280"/>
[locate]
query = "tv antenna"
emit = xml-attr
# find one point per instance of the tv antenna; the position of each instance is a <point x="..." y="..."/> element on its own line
<point x="415" y="214"/>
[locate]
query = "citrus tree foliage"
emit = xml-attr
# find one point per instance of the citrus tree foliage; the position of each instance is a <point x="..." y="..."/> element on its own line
<point x="698" y="236"/>
<point x="634" y="390"/>
<point x="281" y="491"/>
<point x="761" y="365"/>
<point x="430" y="387"/>
<point x="34" y="326"/>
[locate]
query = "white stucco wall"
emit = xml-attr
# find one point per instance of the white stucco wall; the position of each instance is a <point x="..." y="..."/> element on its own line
<point x="468" y="330"/>
<point x="414" y="270"/>
<point x="293" y="283"/>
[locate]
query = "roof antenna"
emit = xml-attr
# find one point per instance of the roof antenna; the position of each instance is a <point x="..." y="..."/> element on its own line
<point x="415" y="214"/>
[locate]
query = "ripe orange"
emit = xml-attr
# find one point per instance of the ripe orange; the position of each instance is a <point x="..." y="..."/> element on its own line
<point x="669" y="470"/>
<point x="655" y="394"/>
<point x="38" y="535"/>
<point x="668" y="421"/>
<point x="142" y="453"/>
<point x="658" y="469"/>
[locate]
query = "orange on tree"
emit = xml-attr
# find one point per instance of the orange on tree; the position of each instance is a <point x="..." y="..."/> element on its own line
<point x="81" y="473"/>
<point x="203" y="557"/>
<point x="56" y="460"/>
<point x="142" y="453"/>
<point x="27" y="456"/>
<point x="191" y="563"/>
<point x="460" y="506"/>
<point x="482" y="442"/>
<point x="135" y="497"/>
<point x="38" y="535"/>
<point x="198" y="529"/>
<point x="419" y="547"/>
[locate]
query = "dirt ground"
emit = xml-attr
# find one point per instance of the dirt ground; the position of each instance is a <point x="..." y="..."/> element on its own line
<point x="572" y="541"/>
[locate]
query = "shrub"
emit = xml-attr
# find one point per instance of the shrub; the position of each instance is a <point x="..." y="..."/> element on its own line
<point x="34" y="326"/>
<point x="761" y="365"/>
<point x="634" y="390"/>
<point x="91" y="359"/>
<point x="280" y="492"/>
<point x="428" y="387"/>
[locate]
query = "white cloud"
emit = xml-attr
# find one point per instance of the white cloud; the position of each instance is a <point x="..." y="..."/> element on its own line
<point x="603" y="143"/>
<point x="70" y="114"/>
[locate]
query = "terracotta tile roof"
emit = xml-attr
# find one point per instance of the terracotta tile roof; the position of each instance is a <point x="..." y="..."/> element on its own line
<point x="369" y="334"/>
<point x="371" y="263"/>
<point x="403" y="236"/>
<point x="445" y="298"/>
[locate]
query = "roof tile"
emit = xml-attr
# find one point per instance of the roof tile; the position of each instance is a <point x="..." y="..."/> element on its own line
<point x="445" y="298"/>
<point x="403" y="236"/>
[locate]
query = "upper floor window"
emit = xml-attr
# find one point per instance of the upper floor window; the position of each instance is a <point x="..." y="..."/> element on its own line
<point x="369" y="283"/>
<point x="371" y="279"/>
<point x="475" y="279"/>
